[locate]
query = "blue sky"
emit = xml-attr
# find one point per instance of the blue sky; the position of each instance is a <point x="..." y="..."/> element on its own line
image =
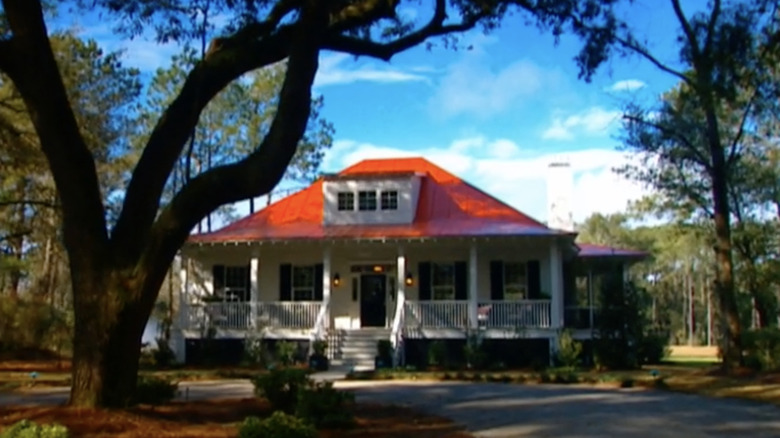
<point x="495" y="115"/>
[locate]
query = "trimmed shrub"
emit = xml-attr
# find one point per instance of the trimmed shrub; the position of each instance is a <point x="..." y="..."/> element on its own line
<point x="325" y="407"/>
<point x="163" y="354"/>
<point x="154" y="390"/>
<point x="437" y="353"/>
<point x="281" y="387"/>
<point x="278" y="425"/>
<point x="29" y="429"/>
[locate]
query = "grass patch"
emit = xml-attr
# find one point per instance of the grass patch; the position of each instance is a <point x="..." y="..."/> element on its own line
<point x="221" y="419"/>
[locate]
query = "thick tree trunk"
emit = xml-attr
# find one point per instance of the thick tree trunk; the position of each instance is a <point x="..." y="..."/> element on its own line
<point x="731" y="343"/>
<point x="106" y="346"/>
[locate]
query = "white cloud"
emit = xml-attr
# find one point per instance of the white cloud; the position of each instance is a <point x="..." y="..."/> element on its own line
<point x="627" y="85"/>
<point x="512" y="173"/>
<point x="470" y="87"/>
<point x="332" y="72"/>
<point x="593" y="121"/>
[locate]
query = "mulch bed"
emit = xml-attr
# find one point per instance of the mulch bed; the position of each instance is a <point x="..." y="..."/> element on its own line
<point x="220" y="418"/>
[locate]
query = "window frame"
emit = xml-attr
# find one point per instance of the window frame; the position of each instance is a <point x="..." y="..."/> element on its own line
<point x="390" y="202"/>
<point x="241" y="289"/>
<point x="523" y="286"/>
<point x="370" y="196"/>
<point x="437" y="289"/>
<point x="295" y="289"/>
<point x="345" y="194"/>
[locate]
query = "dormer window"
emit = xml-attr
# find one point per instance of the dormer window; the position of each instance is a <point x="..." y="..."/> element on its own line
<point x="346" y="201"/>
<point x="389" y="200"/>
<point x="366" y="200"/>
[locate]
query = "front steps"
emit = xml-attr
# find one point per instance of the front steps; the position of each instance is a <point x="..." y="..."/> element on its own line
<point x="358" y="348"/>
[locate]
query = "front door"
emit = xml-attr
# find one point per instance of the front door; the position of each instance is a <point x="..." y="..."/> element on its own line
<point x="372" y="301"/>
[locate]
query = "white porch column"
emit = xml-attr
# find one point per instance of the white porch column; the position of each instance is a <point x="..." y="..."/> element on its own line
<point x="400" y="297"/>
<point x="396" y="333"/>
<point x="254" y="288"/>
<point x="556" y="287"/>
<point x="473" y="292"/>
<point x="179" y="340"/>
<point x="326" y="282"/>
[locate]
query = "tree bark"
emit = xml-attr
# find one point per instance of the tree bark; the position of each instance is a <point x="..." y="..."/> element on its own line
<point x="106" y="344"/>
<point x="731" y="344"/>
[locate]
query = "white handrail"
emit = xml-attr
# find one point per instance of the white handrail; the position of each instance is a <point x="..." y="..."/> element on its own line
<point x="523" y="313"/>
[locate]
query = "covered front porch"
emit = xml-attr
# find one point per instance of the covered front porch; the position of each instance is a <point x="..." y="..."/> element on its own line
<point x="411" y="288"/>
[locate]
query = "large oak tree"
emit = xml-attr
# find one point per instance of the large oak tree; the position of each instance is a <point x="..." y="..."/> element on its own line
<point x="117" y="271"/>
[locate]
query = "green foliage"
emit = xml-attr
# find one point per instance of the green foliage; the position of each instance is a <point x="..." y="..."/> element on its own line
<point x="255" y="352"/>
<point x="653" y="348"/>
<point x="278" y="425"/>
<point x="762" y="349"/>
<point x="285" y="353"/>
<point x="30" y="429"/>
<point x="31" y="327"/>
<point x="154" y="390"/>
<point x="384" y="348"/>
<point x="319" y="347"/>
<point x="281" y="387"/>
<point x="325" y="407"/>
<point x="569" y="350"/>
<point x="437" y="353"/>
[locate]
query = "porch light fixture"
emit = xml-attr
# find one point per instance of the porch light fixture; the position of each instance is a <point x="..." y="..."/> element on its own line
<point x="336" y="280"/>
<point x="378" y="268"/>
<point x="409" y="279"/>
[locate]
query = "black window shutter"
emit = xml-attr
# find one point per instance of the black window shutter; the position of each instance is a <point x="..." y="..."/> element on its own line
<point x="248" y="289"/>
<point x="569" y="284"/>
<point x="218" y="279"/>
<point x="534" y="280"/>
<point x="461" y="281"/>
<point x="285" y="282"/>
<point x="496" y="280"/>
<point x="424" y="281"/>
<point x="319" y="272"/>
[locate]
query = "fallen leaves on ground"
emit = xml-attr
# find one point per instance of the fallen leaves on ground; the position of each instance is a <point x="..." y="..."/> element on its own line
<point x="220" y="418"/>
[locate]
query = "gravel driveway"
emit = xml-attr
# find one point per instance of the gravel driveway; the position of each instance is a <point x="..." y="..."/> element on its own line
<point x="499" y="410"/>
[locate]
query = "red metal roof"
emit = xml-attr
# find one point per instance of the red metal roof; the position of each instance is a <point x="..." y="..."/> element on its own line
<point x="590" y="250"/>
<point x="447" y="207"/>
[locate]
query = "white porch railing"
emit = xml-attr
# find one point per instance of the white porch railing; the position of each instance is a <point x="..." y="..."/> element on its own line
<point x="505" y="314"/>
<point x="302" y="314"/>
<point x="219" y="315"/>
<point x="436" y="314"/>
<point x="238" y="316"/>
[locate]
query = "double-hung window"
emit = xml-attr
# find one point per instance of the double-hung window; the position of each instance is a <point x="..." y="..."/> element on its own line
<point x="303" y="283"/>
<point x="515" y="281"/>
<point x="443" y="281"/>
<point x="346" y="201"/>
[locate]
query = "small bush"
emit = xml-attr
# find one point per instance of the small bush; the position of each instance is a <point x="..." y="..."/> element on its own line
<point x="437" y="353"/>
<point x="627" y="383"/>
<point x="285" y="353"/>
<point x="325" y="407"/>
<point x="278" y="425"/>
<point x="29" y="429"/>
<point x="569" y="350"/>
<point x="762" y="349"/>
<point x="281" y="386"/>
<point x="653" y="348"/>
<point x="319" y="347"/>
<point x="154" y="390"/>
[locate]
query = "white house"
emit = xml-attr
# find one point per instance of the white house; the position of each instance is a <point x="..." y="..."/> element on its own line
<point x="396" y="249"/>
